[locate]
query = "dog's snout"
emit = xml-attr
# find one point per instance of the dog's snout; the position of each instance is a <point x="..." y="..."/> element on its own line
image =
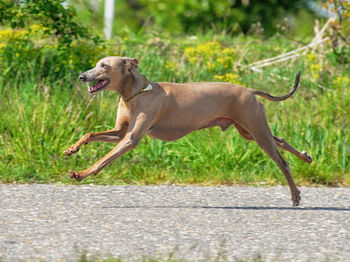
<point x="82" y="77"/>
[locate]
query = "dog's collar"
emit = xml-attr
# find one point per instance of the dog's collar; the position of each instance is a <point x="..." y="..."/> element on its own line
<point x="147" y="88"/>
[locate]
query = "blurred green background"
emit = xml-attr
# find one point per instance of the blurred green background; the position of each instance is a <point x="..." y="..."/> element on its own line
<point x="172" y="16"/>
<point x="198" y="16"/>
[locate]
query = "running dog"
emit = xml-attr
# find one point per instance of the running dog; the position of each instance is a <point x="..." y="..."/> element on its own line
<point x="169" y="111"/>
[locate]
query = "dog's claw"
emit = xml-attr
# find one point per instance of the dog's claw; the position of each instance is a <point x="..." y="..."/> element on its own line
<point x="296" y="198"/>
<point x="70" y="151"/>
<point x="296" y="202"/>
<point x="306" y="157"/>
<point x="75" y="175"/>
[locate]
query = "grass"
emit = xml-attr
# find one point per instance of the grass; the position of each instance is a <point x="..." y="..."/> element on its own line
<point x="41" y="118"/>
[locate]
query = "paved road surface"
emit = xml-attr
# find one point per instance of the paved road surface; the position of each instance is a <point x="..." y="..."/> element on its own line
<point x="58" y="222"/>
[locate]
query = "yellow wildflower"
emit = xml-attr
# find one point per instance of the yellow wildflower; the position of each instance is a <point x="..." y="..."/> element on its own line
<point x="191" y="54"/>
<point x="8" y="33"/>
<point x="172" y="66"/>
<point x="70" y="63"/>
<point x="210" y="66"/>
<point x="315" y="75"/>
<point x="232" y="78"/>
<point x="221" y="60"/>
<point x="37" y="28"/>
<point x="341" y="81"/>
<point x="229" y="77"/>
<point x="209" y="49"/>
<point x="193" y="60"/>
<point x="315" y="70"/>
<point x="315" y="67"/>
<point x="310" y="58"/>
<point x="219" y="77"/>
<point x="225" y="61"/>
<point x="211" y="54"/>
<point x="229" y="52"/>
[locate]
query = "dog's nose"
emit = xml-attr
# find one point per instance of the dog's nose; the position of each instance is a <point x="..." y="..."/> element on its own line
<point x="82" y="77"/>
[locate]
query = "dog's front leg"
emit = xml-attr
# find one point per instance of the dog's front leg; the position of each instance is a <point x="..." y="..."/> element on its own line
<point x="136" y="130"/>
<point x="113" y="136"/>
<point x="124" y="146"/>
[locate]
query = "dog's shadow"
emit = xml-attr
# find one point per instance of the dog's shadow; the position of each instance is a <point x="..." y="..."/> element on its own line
<point x="301" y="208"/>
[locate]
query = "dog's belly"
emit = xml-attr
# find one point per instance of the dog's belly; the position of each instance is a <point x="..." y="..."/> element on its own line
<point x="222" y="122"/>
<point x="171" y="133"/>
<point x="167" y="134"/>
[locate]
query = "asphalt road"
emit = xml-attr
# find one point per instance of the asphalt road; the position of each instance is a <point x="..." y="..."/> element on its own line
<point x="60" y="222"/>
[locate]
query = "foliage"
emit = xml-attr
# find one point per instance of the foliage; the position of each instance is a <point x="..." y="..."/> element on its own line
<point x="56" y="19"/>
<point x="214" y="58"/>
<point x="190" y="16"/>
<point x="340" y="33"/>
<point x="47" y="109"/>
<point x="45" y="40"/>
<point x="47" y="58"/>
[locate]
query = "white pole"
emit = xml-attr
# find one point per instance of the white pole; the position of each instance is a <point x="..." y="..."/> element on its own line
<point x="109" y="17"/>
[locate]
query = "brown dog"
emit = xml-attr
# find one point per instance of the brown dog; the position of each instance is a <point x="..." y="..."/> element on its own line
<point x="169" y="111"/>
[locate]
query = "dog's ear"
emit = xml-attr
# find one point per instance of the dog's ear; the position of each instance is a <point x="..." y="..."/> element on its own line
<point x="135" y="61"/>
<point x="131" y="63"/>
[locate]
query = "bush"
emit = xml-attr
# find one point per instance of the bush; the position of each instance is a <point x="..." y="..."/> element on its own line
<point x="29" y="51"/>
<point x="57" y="19"/>
<point x="45" y="41"/>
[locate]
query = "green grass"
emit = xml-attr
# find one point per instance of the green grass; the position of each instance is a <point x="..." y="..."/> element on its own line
<point x="40" y="118"/>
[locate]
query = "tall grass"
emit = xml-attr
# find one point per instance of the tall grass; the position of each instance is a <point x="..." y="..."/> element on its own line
<point x="39" y="119"/>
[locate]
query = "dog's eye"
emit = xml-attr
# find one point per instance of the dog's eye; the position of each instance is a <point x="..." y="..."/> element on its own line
<point x="104" y="65"/>
<point x="124" y="62"/>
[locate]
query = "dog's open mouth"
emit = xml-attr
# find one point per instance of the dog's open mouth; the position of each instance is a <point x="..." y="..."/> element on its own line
<point x="98" y="85"/>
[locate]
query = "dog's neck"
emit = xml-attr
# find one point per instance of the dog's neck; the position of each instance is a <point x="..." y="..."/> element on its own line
<point x="133" y="84"/>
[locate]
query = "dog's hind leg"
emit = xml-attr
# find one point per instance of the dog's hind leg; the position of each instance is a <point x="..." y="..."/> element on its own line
<point x="256" y="125"/>
<point x="269" y="146"/>
<point x="242" y="131"/>
<point x="267" y="143"/>
<point x="280" y="141"/>
<point x="283" y="144"/>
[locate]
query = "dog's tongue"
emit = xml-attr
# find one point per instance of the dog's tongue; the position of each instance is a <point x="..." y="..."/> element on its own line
<point x="96" y="86"/>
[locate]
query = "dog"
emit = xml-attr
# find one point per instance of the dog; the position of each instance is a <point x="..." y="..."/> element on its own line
<point x="169" y="111"/>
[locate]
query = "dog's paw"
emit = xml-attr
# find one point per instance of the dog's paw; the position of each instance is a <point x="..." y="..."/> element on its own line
<point x="70" y="151"/>
<point x="306" y="157"/>
<point x="296" y="198"/>
<point x="75" y="175"/>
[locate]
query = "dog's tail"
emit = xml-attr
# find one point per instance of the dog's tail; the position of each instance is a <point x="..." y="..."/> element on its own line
<point x="279" y="98"/>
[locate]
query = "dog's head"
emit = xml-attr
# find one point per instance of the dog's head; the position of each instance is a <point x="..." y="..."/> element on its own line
<point x="110" y="73"/>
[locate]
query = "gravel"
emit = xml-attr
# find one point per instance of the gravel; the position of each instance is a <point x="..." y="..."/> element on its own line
<point x="61" y="222"/>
